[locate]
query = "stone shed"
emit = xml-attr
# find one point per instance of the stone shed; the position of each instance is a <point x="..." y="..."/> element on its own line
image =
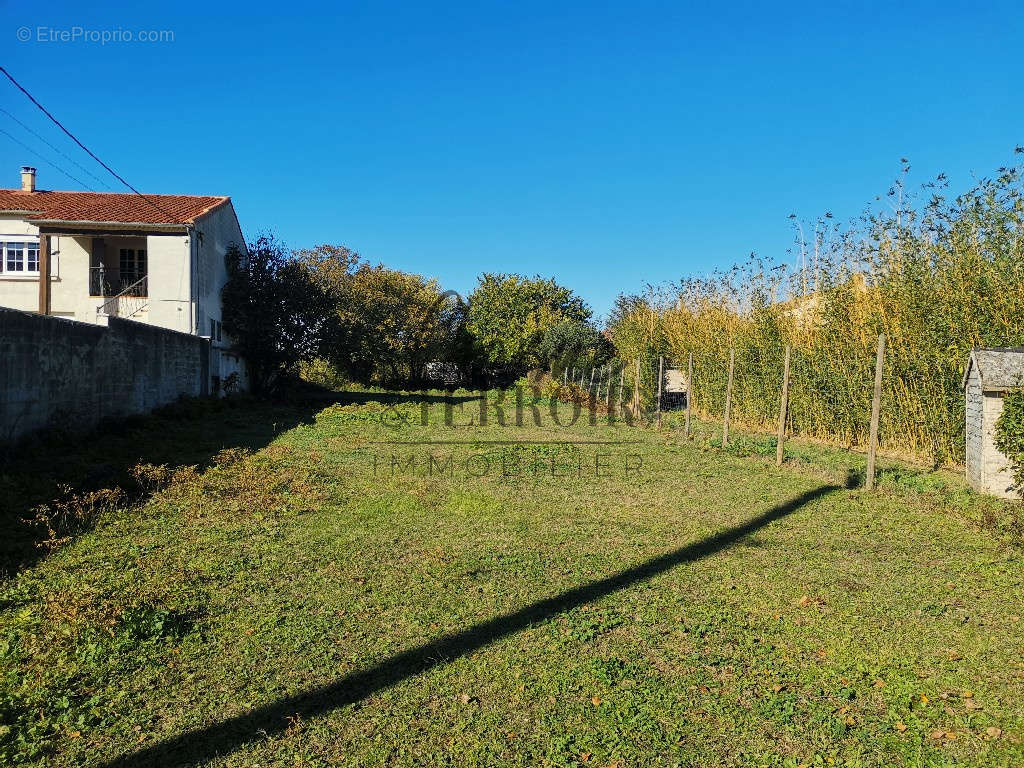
<point x="990" y="374"/>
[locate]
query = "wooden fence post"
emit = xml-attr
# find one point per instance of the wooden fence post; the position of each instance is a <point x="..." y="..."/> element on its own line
<point x="689" y="394"/>
<point x="728" y="398"/>
<point x="636" y="390"/>
<point x="783" y="408"/>
<point x="661" y="374"/>
<point x="44" y="275"/>
<point x="876" y="411"/>
<point x="622" y="387"/>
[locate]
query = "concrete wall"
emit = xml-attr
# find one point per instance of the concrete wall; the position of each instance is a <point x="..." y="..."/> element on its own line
<point x="988" y="470"/>
<point x="975" y="429"/>
<point x="996" y="473"/>
<point x="55" y="371"/>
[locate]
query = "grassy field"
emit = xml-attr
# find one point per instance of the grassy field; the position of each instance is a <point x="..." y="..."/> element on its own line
<point x="605" y="595"/>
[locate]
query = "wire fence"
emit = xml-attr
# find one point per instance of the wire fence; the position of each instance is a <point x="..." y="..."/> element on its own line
<point x="857" y="401"/>
<point x="835" y="402"/>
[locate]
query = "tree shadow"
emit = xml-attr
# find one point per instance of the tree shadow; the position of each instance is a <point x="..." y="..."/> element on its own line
<point x="230" y="734"/>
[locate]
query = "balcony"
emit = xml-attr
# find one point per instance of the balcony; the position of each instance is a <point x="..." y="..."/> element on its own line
<point x="106" y="282"/>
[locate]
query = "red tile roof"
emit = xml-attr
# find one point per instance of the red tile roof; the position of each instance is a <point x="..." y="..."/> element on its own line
<point x="109" y="206"/>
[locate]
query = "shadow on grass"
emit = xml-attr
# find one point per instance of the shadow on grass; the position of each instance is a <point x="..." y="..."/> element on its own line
<point x="228" y="735"/>
<point x="77" y="473"/>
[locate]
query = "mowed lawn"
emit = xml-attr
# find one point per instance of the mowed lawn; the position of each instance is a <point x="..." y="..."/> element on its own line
<point x="608" y="595"/>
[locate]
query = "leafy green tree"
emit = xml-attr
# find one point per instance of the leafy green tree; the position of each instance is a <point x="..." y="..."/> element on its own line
<point x="571" y="343"/>
<point x="388" y="323"/>
<point x="510" y="314"/>
<point x="274" y="312"/>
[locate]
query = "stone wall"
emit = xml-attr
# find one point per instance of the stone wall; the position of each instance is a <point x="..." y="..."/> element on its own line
<point x="58" y="372"/>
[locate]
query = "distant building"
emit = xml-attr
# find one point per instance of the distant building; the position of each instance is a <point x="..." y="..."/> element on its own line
<point x="991" y="373"/>
<point x="676" y="389"/>
<point x="155" y="259"/>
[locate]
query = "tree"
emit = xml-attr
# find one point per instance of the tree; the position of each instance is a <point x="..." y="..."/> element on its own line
<point x="275" y="313"/>
<point x="389" y="323"/>
<point x="509" y="315"/>
<point x="571" y="343"/>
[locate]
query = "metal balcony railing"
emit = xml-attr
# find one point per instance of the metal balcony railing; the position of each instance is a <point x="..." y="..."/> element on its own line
<point x="100" y="283"/>
<point x="129" y="301"/>
<point x="104" y="282"/>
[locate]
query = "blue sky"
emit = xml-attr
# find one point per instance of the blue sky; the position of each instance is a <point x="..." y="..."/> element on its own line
<point x="605" y="144"/>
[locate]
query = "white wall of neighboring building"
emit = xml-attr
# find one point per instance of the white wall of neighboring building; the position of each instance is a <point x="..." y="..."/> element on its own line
<point x="16" y="291"/>
<point x="173" y="262"/>
<point x="185" y="275"/>
<point x="213" y="236"/>
<point x="69" y="279"/>
<point x="169" y="282"/>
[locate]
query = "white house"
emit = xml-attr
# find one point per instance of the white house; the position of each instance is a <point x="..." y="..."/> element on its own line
<point x="86" y="256"/>
<point x="990" y="374"/>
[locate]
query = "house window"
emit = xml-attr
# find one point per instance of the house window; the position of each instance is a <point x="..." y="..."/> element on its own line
<point x="218" y="330"/>
<point x="20" y="257"/>
<point x="133" y="265"/>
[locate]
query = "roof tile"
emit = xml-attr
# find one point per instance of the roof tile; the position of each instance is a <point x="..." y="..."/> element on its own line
<point x="121" y="208"/>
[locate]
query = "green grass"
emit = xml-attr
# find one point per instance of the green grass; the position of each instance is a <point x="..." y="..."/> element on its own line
<point x="286" y="604"/>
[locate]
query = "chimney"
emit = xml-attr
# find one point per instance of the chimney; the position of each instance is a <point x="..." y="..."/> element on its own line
<point x="28" y="178"/>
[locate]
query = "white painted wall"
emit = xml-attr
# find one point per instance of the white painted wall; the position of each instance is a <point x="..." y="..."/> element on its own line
<point x="996" y="473"/>
<point x="214" y="234"/>
<point x="174" y="261"/>
<point x="69" y="277"/>
<point x="169" y="283"/>
<point x="171" y="273"/>
<point x="19" y="292"/>
<point x="975" y="414"/>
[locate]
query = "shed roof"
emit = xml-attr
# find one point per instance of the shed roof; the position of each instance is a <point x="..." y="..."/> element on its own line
<point x="998" y="368"/>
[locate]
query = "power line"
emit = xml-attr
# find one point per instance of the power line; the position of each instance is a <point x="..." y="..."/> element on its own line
<point x="55" y="149"/>
<point x="74" y="138"/>
<point x="48" y="162"/>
